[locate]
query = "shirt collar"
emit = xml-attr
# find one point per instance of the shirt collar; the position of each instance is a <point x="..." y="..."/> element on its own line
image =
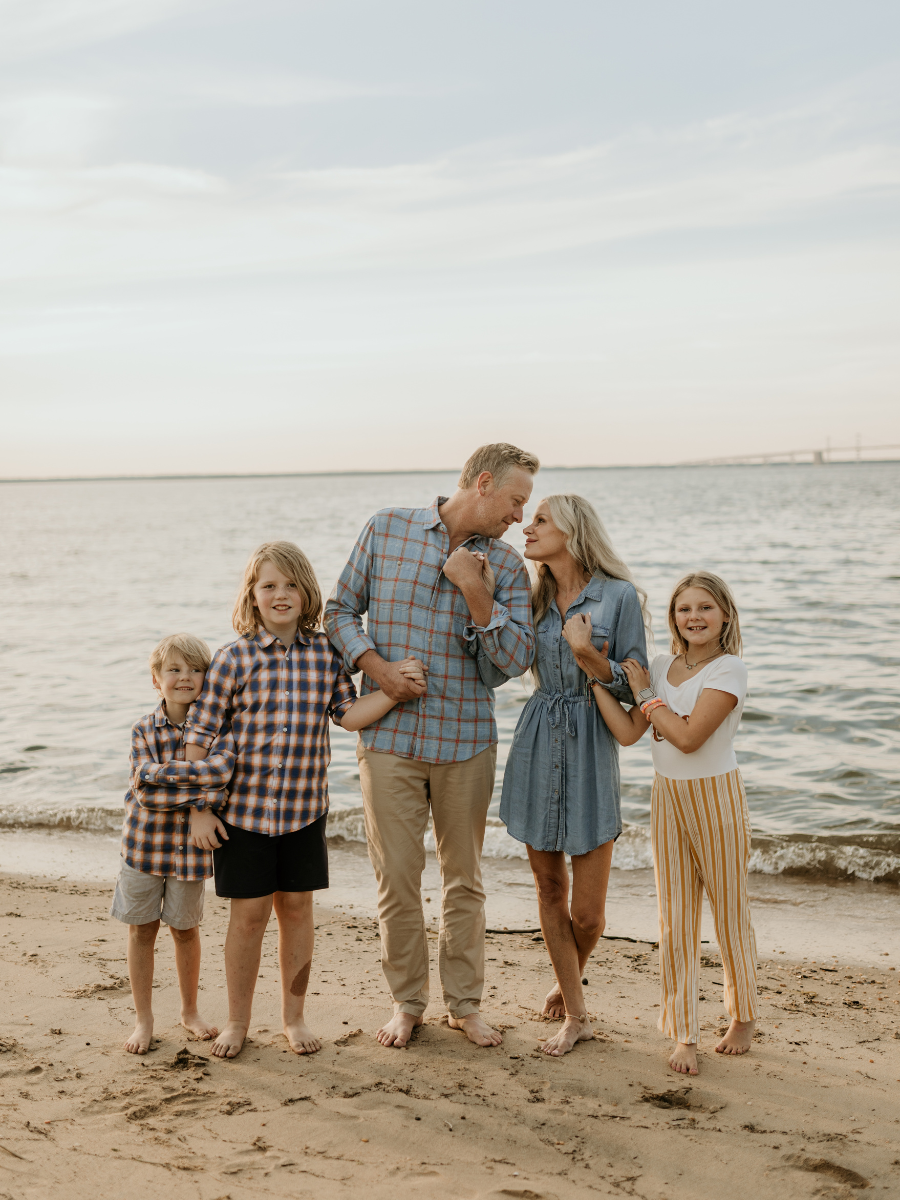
<point x="594" y="587"/>
<point x="432" y="516"/>
<point x="161" y="717"/>
<point x="433" y="521"/>
<point x="262" y="637"/>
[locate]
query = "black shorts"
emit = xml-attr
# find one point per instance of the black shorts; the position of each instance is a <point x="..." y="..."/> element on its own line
<point x="250" y="865"/>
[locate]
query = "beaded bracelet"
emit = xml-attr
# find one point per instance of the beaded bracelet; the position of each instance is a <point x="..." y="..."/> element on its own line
<point x="650" y="705"/>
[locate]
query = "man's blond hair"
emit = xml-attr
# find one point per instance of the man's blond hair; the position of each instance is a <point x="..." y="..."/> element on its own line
<point x="499" y="458"/>
<point x="290" y="560"/>
<point x="193" y="650"/>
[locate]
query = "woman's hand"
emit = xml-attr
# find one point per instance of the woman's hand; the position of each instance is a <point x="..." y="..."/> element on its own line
<point x="487" y="574"/>
<point x="577" y="632"/>
<point x="638" y="675"/>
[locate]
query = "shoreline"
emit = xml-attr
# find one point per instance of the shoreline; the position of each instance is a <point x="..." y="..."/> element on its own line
<point x="812" y="1111"/>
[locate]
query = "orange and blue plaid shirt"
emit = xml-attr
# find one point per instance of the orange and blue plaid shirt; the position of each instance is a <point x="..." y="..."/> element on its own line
<point x="395" y="575"/>
<point x="163" y="789"/>
<point x="276" y="703"/>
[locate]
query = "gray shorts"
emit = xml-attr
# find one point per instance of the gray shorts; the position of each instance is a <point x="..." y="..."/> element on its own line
<point x="141" y="898"/>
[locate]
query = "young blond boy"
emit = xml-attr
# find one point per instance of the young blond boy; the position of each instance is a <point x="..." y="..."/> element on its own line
<point x="169" y="830"/>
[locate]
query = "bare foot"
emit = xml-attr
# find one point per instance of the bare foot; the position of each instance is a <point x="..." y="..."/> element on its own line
<point x="575" y="1029"/>
<point x="738" y="1038"/>
<point x="195" y="1024"/>
<point x="301" y="1037"/>
<point x="230" y="1041"/>
<point x="554" y="1005"/>
<point x="398" y="1029"/>
<point x="684" y="1058"/>
<point x="139" y="1042"/>
<point x="476" y="1029"/>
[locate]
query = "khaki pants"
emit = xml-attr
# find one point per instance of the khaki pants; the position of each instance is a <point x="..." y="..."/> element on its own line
<point x="398" y="793"/>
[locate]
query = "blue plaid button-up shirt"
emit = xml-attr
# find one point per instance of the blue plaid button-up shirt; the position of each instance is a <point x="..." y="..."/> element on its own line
<point x="277" y="703"/>
<point x="163" y="789"/>
<point x="395" y="575"/>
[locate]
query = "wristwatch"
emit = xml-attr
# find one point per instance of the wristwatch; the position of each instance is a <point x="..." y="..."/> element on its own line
<point x="645" y="694"/>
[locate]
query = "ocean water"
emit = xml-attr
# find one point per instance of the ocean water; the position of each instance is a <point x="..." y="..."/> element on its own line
<point x="92" y="574"/>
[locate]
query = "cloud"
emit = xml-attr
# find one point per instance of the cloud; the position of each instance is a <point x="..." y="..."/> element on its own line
<point x="481" y="204"/>
<point x="34" y="27"/>
<point x="52" y="127"/>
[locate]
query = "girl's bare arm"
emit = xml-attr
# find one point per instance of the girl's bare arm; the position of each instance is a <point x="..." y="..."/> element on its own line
<point x="626" y="727"/>
<point x="709" y="712"/>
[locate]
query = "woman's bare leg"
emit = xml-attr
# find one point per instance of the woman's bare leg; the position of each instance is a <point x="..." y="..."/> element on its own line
<point x="570" y="933"/>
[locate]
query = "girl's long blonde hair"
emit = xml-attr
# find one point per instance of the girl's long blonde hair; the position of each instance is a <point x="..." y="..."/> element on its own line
<point x="290" y="561"/>
<point x="730" y="637"/>
<point x="588" y="543"/>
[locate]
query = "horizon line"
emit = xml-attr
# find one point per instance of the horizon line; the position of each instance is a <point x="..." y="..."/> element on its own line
<point x="416" y="471"/>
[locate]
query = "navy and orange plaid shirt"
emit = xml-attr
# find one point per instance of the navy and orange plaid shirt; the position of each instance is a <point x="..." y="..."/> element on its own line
<point x="277" y="703"/>
<point x="163" y="789"/>
<point x="395" y="575"/>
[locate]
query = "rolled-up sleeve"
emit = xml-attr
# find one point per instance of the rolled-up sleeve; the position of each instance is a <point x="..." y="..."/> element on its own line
<point x="176" y="784"/>
<point x="628" y="640"/>
<point x="343" y="697"/>
<point x="211" y="712"/>
<point x="350" y="599"/>
<point x="504" y="648"/>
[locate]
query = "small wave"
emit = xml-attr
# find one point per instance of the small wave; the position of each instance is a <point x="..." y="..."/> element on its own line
<point x="874" y="857"/>
<point x="87" y="818"/>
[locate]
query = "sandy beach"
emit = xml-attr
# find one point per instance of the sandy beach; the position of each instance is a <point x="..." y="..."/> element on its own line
<point x="813" y="1111"/>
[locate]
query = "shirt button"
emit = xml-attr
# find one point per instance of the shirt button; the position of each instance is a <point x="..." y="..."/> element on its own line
<point x="284" y="730"/>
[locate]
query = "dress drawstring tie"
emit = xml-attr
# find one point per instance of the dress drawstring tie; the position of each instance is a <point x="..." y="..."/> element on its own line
<point x="559" y="708"/>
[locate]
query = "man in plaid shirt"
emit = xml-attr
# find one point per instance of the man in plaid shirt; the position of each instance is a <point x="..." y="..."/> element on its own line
<point x="438" y="585"/>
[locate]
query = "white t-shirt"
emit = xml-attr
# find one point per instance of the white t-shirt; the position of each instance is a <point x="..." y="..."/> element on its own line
<point x="716" y="755"/>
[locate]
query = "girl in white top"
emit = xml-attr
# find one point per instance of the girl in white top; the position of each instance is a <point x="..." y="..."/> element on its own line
<point x="693" y="699"/>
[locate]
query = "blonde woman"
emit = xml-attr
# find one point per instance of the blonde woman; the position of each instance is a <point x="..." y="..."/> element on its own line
<point x="561" y="785"/>
<point x="693" y="698"/>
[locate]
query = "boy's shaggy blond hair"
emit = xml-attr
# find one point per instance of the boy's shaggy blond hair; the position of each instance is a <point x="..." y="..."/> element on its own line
<point x="290" y="560"/>
<point x="730" y="637"/>
<point x="193" y="650"/>
<point x="499" y="458"/>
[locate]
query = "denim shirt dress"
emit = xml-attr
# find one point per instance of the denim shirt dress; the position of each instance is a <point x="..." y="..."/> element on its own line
<point x="561" y="785"/>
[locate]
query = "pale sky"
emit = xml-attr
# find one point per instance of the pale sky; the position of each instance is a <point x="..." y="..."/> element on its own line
<point x="283" y="235"/>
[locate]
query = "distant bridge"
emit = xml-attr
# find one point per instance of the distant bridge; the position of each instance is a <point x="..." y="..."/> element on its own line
<point x="816" y="457"/>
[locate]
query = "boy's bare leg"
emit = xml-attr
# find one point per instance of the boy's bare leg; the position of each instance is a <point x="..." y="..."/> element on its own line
<point x="296" y="937"/>
<point x="187" y="964"/>
<point x="141" y="941"/>
<point x="243" y="947"/>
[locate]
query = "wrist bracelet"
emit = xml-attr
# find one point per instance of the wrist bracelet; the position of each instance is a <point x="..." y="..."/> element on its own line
<point x="648" y="707"/>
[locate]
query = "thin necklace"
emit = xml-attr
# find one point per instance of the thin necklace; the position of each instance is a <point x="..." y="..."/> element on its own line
<point x="690" y="666"/>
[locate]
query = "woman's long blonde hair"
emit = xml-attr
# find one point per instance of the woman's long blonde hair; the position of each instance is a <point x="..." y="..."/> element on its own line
<point x="290" y="561"/>
<point x="588" y="543"/>
<point x="730" y="637"/>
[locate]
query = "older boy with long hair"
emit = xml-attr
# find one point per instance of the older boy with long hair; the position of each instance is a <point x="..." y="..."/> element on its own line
<point x="276" y="687"/>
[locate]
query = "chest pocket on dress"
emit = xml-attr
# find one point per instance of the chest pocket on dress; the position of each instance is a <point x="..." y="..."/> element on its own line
<point x="599" y="635"/>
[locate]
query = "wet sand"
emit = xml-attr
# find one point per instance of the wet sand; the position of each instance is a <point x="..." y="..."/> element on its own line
<point x="812" y="1111"/>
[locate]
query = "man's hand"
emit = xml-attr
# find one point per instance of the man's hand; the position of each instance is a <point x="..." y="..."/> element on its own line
<point x="395" y="684"/>
<point x="464" y="568"/>
<point x="203" y="829"/>
<point x="473" y="575"/>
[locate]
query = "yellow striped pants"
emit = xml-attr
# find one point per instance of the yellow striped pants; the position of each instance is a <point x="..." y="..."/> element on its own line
<point x="701" y="839"/>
